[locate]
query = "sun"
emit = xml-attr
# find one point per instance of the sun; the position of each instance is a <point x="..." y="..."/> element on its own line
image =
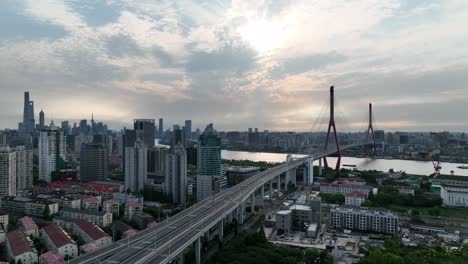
<point x="264" y="36"/>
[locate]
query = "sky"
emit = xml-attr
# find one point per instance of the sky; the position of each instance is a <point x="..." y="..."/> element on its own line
<point x="238" y="64"/>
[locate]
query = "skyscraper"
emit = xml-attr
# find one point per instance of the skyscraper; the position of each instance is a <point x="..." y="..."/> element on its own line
<point x="94" y="162"/>
<point x="144" y="129"/>
<point x="177" y="137"/>
<point x="28" y="124"/>
<point x="24" y="168"/>
<point x="41" y="119"/>
<point x="188" y="129"/>
<point x="128" y="140"/>
<point x="210" y="176"/>
<point x="7" y="171"/>
<point x="176" y="175"/>
<point x="157" y="157"/>
<point x="161" y="128"/>
<point x="136" y="166"/>
<point x="65" y="125"/>
<point x="51" y="147"/>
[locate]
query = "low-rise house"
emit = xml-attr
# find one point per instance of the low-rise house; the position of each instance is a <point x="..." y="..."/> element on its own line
<point x="55" y="239"/>
<point x="2" y="235"/>
<point x="19" y="248"/>
<point x="101" y="219"/>
<point x="90" y="233"/>
<point x="51" y="257"/>
<point x="91" y="203"/>
<point x="28" y="226"/>
<point x="4" y="218"/>
<point x="27" y="206"/>
<point x="405" y="190"/>
<point x="454" y="195"/>
<point x="112" y="206"/>
<point x="143" y="220"/>
<point x="64" y="222"/>
<point x="132" y="209"/>
<point x="64" y="200"/>
<point x="338" y="188"/>
<point x="363" y="219"/>
<point x="354" y="198"/>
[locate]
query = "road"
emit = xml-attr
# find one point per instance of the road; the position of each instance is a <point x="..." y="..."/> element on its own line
<point x="168" y="239"/>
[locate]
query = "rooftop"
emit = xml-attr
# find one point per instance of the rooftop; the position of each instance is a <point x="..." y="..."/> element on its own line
<point x="284" y="212"/>
<point x="27" y="223"/>
<point x="351" y="179"/>
<point x="133" y="204"/>
<point x="57" y="235"/>
<point x="451" y="177"/>
<point x="111" y="201"/>
<point x="83" y="211"/>
<point x="356" y="194"/>
<point x="300" y="207"/>
<point x="51" y="257"/>
<point x="91" y="230"/>
<point x="343" y="185"/>
<point x="91" y="200"/>
<point x="18" y="243"/>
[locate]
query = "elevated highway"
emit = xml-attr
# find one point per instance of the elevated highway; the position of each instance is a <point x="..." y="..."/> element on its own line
<point x="168" y="240"/>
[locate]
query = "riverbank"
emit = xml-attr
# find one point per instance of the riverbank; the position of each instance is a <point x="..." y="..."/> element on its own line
<point x="409" y="166"/>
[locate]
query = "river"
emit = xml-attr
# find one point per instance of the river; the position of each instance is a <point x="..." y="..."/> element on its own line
<point x="409" y="166"/>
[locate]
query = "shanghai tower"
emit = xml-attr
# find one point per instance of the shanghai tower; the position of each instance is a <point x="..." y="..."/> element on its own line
<point x="28" y="115"/>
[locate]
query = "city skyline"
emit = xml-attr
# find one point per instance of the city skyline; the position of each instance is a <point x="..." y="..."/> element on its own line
<point x="236" y="64"/>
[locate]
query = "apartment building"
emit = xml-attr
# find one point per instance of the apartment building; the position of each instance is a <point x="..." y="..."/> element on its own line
<point x="376" y="220"/>
<point x="55" y="239"/>
<point x="102" y="219"/>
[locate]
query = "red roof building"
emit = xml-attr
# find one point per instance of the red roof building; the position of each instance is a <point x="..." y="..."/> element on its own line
<point x="18" y="243"/>
<point x="51" y="257"/>
<point x="57" y="240"/>
<point x="90" y="233"/>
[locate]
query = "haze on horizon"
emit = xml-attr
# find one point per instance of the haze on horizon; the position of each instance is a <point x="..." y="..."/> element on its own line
<point x="238" y="64"/>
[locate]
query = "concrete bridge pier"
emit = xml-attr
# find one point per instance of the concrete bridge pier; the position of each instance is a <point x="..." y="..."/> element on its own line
<point x="262" y="195"/>
<point x="310" y="164"/>
<point x="252" y="203"/>
<point x="306" y="175"/>
<point x="198" y="251"/>
<point x="241" y="213"/>
<point x="180" y="258"/>
<point x="278" y="186"/>
<point x="221" y="230"/>
<point x="293" y="176"/>
<point x="271" y="190"/>
<point x="320" y="168"/>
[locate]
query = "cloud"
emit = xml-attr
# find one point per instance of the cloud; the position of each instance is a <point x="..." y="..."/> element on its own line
<point x="239" y="64"/>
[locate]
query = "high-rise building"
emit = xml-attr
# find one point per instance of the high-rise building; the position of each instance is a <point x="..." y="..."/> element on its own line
<point x="105" y="141"/>
<point x="3" y="138"/>
<point x="176" y="175"/>
<point x="144" y="129"/>
<point x="7" y="171"/>
<point x="177" y="137"/>
<point x="24" y="168"/>
<point x="128" y="140"/>
<point x="94" y="162"/>
<point x="210" y="176"/>
<point x="188" y="129"/>
<point x="84" y="128"/>
<point x="28" y="124"/>
<point x="136" y="161"/>
<point x="65" y="125"/>
<point x="41" y="119"/>
<point x="157" y="157"/>
<point x="161" y="128"/>
<point x="51" y="147"/>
